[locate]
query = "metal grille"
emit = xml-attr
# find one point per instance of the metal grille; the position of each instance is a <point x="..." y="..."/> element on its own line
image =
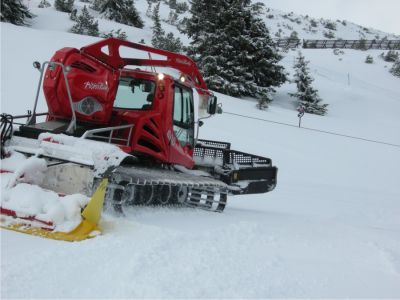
<point x="216" y="144"/>
<point x="229" y="156"/>
<point x="212" y="152"/>
<point x="236" y="157"/>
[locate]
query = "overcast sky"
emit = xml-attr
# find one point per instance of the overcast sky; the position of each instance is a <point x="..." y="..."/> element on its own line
<point x="379" y="14"/>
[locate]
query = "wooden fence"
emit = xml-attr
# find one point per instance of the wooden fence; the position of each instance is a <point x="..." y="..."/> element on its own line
<point x="340" y="44"/>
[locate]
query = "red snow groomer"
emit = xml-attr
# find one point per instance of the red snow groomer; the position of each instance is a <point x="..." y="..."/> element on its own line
<point x="95" y="103"/>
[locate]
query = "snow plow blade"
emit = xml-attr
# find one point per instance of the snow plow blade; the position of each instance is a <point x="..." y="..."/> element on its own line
<point x="88" y="228"/>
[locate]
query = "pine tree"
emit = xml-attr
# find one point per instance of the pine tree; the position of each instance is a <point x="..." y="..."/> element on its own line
<point x="294" y="35"/>
<point x="172" y="43"/>
<point x="262" y="102"/>
<point x="232" y="47"/>
<point x="390" y="56"/>
<point x="361" y="45"/>
<point x="172" y="17"/>
<point x="14" y="12"/>
<point x="158" y="32"/>
<point x="97" y="5"/>
<point x="119" y="34"/>
<point x="313" y="23"/>
<point x="44" y="4"/>
<point x="149" y="8"/>
<point x="122" y="11"/>
<point x="160" y="40"/>
<point x="395" y="70"/>
<point x="172" y="4"/>
<point x="330" y="25"/>
<point x="85" y="24"/>
<point x="306" y="94"/>
<point x="329" y="34"/>
<point x="181" y="7"/>
<point x="369" y="60"/>
<point x="64" y="5"/>
<point x="73" y="15"/>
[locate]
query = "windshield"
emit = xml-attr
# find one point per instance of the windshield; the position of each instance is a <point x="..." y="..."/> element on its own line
<point x="134" y="93"/>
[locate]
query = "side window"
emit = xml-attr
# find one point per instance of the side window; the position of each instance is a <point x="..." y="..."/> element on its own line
<point x="183" y="116"/>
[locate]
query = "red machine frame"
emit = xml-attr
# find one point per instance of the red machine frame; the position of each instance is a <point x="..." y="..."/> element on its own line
<point x="95" y="71"/>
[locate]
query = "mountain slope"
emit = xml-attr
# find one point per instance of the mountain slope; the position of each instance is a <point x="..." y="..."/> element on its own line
<point x="280" y="24"/>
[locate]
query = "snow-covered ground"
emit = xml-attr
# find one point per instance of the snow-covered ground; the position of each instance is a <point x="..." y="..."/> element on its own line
<point x="331" y="229"/>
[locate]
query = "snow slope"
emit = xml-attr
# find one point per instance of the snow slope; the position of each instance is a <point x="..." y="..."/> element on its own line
<point x="330" y="229"/>
<point x="281" y="24"/>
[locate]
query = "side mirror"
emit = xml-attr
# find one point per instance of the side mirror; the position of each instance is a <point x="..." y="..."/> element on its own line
<point x="212" y="105"/>
<point x="37" y="65"/>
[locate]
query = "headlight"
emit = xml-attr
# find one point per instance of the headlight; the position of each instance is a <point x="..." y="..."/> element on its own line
<point x="160" y="76"/>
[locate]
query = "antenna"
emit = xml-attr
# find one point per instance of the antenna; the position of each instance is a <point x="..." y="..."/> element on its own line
<point x="153" y="68"/>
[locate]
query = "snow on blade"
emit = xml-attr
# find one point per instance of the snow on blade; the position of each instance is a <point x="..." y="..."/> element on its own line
<point x="101" y="155"/>
<point x="20" y="192"/>
<point x="31" y="171"/>
<point x="31" y="200"/>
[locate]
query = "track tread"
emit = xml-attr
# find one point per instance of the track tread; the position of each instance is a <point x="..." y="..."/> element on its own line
<point x="138" y="177"/>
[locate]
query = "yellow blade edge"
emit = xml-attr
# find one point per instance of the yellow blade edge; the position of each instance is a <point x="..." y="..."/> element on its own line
<point x="86" y="229"/>
<point x="92" y="212"/>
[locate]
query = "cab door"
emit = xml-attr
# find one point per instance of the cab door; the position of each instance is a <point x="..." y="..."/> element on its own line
<point x="182" y="137"/>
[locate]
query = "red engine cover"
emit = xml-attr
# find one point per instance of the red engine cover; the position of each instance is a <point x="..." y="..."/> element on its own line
<point x="87" y="78"/>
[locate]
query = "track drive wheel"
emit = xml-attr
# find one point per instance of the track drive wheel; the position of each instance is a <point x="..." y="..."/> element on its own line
<point x="179" y="195"/>
<point x="144" y="195"/>
<point x="121" y="196"/>
<point x="161" y="195"/>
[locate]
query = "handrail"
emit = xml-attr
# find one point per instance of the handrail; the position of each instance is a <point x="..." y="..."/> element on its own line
<point x="27" y="116"/>
<point x="93" y="132"/>
<point x="65" y="69"/>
